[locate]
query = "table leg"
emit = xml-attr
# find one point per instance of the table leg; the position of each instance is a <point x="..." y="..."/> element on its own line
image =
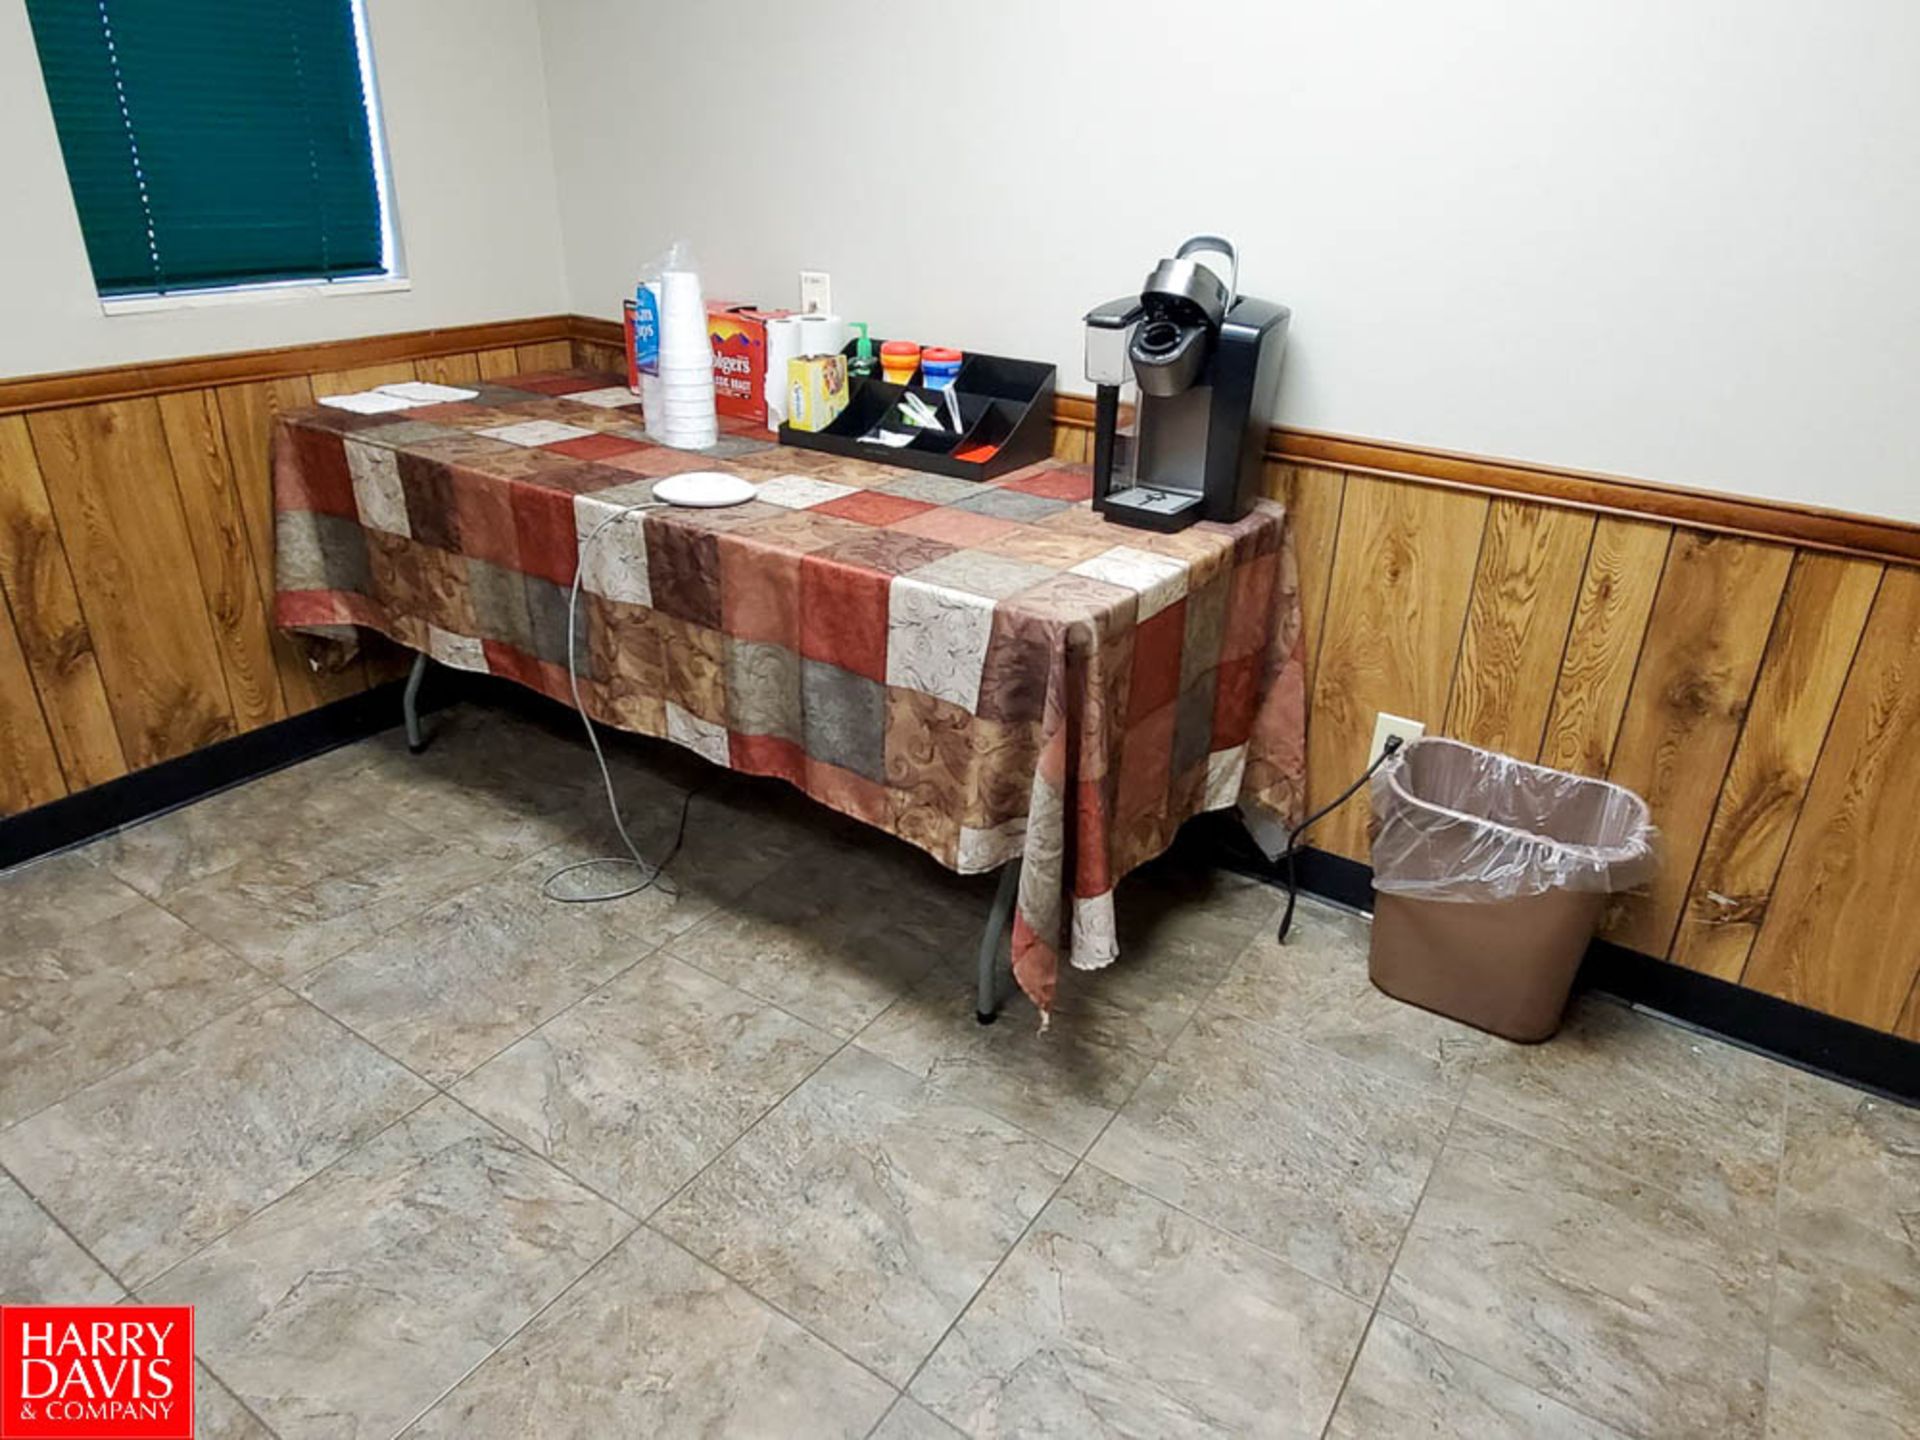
<point x="999" y="916"/>
<point x="410" y="703"/>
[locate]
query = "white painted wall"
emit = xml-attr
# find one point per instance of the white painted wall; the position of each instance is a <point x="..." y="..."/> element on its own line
<point x="462" y="94"/>
<point x="1679" y="241"/>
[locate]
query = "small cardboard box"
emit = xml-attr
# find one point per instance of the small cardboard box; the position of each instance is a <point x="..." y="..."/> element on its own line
<point x="739" y="337"/>
<point x="626" y="330"/>
<point x="816" y="390"/>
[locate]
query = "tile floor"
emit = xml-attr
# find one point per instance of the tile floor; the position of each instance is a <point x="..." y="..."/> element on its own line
<point x="434" y="1155"/>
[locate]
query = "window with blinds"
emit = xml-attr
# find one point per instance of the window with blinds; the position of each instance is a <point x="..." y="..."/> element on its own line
<point x="216" y="143"/>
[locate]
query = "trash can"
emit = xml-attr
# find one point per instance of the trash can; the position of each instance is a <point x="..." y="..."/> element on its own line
<point x="1489" y="875"/>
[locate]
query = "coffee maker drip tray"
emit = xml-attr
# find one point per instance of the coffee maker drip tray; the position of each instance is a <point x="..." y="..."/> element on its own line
<point x="1153" y="508"/>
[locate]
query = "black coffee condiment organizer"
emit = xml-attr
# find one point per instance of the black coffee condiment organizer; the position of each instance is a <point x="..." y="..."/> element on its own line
<point x="1003" y="402"/>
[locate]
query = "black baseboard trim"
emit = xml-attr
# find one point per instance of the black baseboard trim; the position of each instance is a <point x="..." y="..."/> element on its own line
<point x="107" y="807"/>
<point x="1868" y="1059"/>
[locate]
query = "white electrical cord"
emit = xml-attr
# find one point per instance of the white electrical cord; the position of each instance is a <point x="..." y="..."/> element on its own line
<point x="651" y="875"/>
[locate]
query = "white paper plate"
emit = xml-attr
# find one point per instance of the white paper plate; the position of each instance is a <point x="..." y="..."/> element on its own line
<point x="704" y="489"/>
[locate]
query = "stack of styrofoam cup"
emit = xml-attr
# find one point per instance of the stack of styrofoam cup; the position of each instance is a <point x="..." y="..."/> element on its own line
<point x="678" y="402"/>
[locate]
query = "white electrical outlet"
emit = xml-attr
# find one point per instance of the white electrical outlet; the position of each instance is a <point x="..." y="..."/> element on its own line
<point x="1385" y="725"/>
<point x="816" y="292"/>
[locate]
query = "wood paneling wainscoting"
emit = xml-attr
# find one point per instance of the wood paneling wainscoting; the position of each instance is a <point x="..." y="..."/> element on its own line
<point x="136" y="549"/>
<point x="1763" y="694"/>
<point x="1752" y="668"/>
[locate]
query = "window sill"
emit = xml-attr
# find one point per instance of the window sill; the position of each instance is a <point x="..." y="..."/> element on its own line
<point x="285" y="292"/>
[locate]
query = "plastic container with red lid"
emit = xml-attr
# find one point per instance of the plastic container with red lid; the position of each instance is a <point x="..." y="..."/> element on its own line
<point x="939" y="367"/>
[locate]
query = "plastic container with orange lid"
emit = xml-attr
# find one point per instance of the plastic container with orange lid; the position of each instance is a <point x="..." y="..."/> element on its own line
<point x="898" y="360"/>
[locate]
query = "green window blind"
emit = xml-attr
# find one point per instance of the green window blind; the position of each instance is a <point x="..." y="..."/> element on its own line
<point x="213" y="142"/>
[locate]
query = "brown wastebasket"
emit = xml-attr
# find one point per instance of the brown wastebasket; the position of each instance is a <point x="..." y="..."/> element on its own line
<point x="1489" y="875"/>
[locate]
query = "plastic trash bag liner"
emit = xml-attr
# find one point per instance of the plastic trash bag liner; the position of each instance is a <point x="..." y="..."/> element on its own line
<point x="1453" y="822"/>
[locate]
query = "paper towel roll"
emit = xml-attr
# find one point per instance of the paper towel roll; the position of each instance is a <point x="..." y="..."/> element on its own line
<point x="822" y="334"/>
<point x="783" y="343"/>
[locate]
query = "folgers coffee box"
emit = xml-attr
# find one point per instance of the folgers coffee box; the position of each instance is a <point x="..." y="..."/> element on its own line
<point x="739" y="336"/>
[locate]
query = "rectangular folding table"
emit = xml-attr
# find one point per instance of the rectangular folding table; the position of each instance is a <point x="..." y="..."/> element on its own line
<point x="987" y="670"/>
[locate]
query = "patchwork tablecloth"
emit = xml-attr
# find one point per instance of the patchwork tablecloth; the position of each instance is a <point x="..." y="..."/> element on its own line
<point x="989" y="671"/>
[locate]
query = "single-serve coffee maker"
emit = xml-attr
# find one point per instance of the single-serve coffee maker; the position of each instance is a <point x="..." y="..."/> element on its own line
<point x="1207" y="361"/>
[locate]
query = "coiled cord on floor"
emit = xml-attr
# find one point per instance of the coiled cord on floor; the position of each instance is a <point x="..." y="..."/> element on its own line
<point x="652" y="875"/>
<point x="1392" y="744"/>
